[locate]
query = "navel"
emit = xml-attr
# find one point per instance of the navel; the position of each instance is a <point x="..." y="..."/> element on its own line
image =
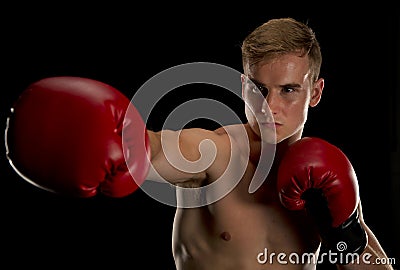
<point x="225" y="236"/>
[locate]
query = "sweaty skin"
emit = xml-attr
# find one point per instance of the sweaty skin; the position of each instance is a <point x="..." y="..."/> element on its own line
<point x="243" y="230"/>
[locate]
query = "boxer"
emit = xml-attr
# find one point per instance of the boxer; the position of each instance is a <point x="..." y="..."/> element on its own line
<point x="64" y="135"/>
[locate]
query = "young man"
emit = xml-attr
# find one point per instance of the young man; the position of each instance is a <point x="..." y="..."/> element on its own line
<point x="280" y="224"/>
<point x="282" y="59"/>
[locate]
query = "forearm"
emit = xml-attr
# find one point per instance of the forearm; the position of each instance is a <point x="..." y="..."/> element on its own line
<point x="373" y="257"/>
<point x="155" y="143"/>
<point x="156" y="151"/>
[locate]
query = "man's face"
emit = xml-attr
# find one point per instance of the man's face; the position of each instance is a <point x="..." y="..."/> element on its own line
<point x="277" y="94"/>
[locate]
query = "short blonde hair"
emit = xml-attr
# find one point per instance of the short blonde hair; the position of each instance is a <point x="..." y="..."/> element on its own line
<point x="281" y="36"/>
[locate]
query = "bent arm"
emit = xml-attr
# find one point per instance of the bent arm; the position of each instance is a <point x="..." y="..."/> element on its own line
<point x="373" y="257"/>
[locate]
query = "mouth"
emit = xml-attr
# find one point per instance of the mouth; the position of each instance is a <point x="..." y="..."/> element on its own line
<point x="270" y="125"/>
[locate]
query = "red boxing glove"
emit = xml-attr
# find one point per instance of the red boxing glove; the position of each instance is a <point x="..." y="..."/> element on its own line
<point x="65" y="135"/>
<point x="317" y="176"/>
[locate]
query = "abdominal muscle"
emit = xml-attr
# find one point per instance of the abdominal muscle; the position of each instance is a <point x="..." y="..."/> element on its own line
<point x="243" y="231"/>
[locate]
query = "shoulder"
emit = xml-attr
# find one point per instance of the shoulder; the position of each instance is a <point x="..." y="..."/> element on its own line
<point x="235" y="131"/>
<point x="224" y="138"/>
<point x="197" y="140"/>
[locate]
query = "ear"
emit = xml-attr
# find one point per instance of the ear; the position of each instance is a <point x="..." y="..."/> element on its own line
<point x="316" y="92"/>
<point x="242" y="79"/>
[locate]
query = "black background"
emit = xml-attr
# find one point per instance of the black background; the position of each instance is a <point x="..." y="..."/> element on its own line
<point x="125" y="46"/>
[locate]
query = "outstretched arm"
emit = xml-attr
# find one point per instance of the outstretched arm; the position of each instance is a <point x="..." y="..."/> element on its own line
<point x="186" y="157"/>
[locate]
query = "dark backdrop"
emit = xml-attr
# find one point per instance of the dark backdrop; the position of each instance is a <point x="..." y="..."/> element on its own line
<point x="125" y="46"/>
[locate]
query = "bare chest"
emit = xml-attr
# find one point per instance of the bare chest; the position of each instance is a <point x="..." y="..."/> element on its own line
<point x="241" y="226"/>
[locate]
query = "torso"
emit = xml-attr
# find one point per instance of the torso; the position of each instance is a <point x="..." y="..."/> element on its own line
<point x="243" y="231"/>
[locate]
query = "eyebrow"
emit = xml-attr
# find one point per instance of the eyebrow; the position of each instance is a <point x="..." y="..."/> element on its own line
<point x="288" y="85"/>
<point x="291" y="85"/>
<point x="257" y="83"/>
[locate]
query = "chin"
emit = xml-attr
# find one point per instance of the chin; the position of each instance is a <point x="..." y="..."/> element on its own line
<point x="269" y="137"/>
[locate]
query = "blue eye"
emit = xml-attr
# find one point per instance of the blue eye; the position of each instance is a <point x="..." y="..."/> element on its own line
<point x="288" y="89"/>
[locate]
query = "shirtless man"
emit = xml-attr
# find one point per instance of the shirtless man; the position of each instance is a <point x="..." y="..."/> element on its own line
<point x="281" y="62"/>
<point x="282" y="57"/>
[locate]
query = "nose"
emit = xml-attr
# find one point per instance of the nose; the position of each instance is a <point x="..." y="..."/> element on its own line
<point x="271" y="103"/>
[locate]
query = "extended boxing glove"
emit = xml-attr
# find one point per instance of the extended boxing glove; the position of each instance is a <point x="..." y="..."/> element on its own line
<point x="317" y="176"/>
<point x="65" y="134"/>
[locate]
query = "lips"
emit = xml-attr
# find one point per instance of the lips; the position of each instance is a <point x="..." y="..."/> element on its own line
<point x="269" y="124"/>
